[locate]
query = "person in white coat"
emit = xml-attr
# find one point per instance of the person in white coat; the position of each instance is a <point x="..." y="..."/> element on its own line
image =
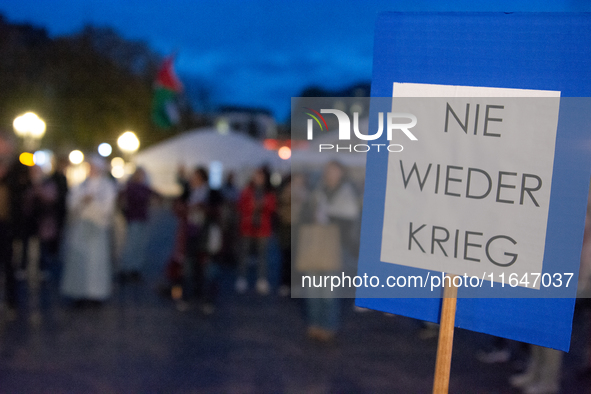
<point x="87" y="272"/>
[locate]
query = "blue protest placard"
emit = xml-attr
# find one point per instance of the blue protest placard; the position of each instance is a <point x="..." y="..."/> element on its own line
<point x="528" y="200"/>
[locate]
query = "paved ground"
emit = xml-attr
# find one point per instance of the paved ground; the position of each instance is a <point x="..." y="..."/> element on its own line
<point x="138" y="342"/>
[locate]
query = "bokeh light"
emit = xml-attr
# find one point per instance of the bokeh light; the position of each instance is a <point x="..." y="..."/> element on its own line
<point x="117" y="172"/>
<point x="29" y="125"/>
<point x="40" y="158"/>
<point x="43" y="158"/>
<point x="105" y="149"/>
<point x="117" y="162"/>
<point x="26" y="159"/>
<point x="76" y="157"/>
<point x="284" y="152"/>
<point x="128" y="142"/>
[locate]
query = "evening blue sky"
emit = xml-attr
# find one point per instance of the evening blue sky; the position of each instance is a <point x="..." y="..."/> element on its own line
<point x="253" y="53"/>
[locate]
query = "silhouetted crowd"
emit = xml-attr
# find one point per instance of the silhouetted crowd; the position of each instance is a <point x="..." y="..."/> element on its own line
<point x="32" y="220"/>
<point x="87" y="236"/>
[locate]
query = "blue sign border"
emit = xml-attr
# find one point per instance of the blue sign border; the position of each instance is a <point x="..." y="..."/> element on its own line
<point x="524" y="51"/>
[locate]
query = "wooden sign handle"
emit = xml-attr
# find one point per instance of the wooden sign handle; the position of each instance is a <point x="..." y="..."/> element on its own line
<point x="446" y="337"/>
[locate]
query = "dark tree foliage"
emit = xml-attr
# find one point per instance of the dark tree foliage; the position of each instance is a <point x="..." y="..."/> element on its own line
<point x="100" y="88"/>
<point x="88" y="87"/>
<point x="24" y="51"/>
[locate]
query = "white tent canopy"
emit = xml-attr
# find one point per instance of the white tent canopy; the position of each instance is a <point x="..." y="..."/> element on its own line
<point x="236" y="152"/>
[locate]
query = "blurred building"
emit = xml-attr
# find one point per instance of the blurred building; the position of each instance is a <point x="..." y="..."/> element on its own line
<point x="255" y="122"/>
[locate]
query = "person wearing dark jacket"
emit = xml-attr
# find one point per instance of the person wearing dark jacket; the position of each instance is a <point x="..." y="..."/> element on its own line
<point x="136" y="198"/>
<point x="14" y="181"/>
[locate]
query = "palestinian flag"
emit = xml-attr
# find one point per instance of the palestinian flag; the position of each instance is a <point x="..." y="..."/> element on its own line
<point x="165" y="111"/>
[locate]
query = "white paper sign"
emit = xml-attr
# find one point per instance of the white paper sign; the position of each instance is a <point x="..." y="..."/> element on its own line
<point x="471" y="196"/>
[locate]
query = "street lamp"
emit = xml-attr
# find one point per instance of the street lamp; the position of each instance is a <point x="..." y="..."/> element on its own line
<point x="128" y="142"/>
<point x="76" y="157"/>
<point x="105" y="149"/>
<point x="30" y="128"/>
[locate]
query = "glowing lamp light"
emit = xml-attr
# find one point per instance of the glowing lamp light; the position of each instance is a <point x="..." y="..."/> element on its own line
<point x="117" y="172"/>
<point x="128" y="142"/>
<point x="26" y="159"/>
<point x="29" y="125"/>
<point x="284" y="152"/>
<point x="105" y="149"/>
<point x="117" y="162"/>
<point x="20" y="126"/>
<point x="41" y="158"/>
<point x="76" y="157"/>
<point x="37" y="129"/>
